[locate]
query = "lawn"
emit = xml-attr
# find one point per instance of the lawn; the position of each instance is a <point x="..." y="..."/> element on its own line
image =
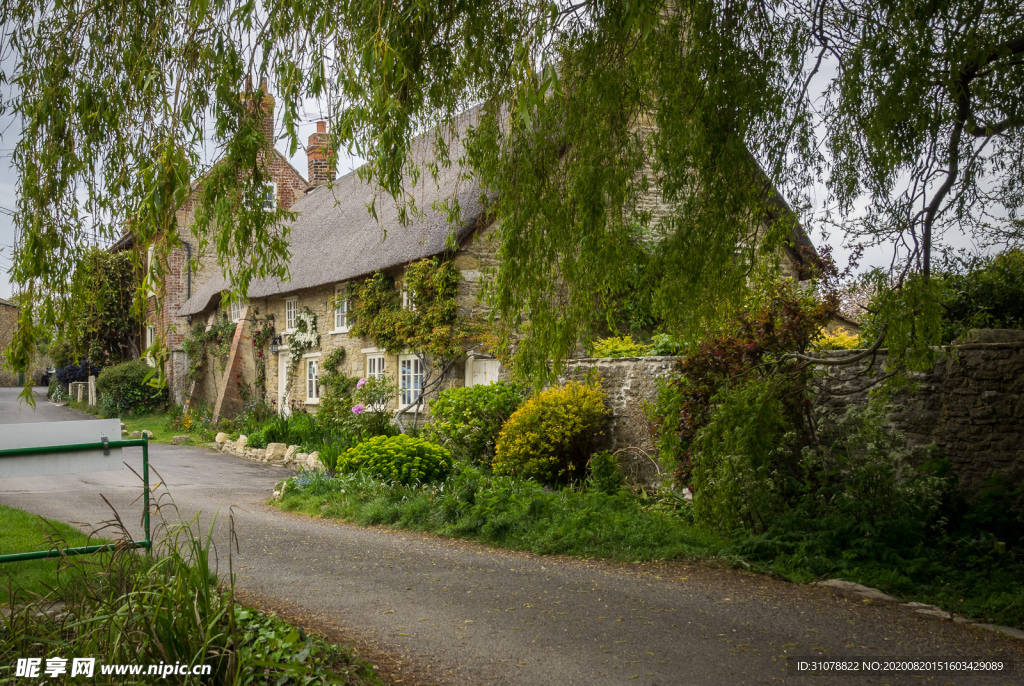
<point x="24" y="532"/>
<point x="155" y="422"/>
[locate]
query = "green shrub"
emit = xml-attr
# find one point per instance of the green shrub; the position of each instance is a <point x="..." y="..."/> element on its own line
<point x="62" y="353"/>
<point x="467" y="421"/>
<point x="619" y="346"/>
<point x="127" y="386"/>
<point x="399" y="458"/>
<point x="605" y="475"/>
<point x="257" y="439"/>
<point x="550" y="437"/>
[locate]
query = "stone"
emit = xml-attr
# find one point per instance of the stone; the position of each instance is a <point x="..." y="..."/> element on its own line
<point x="313" y="461"/>
<point x="178" y="440"/>
<point x="241" y="443"/>
<point x="147" y="433"/>
<point x="289" y="454"/>
<point x="276" y="452"/>
<point x="992" y="336"/>
<point x="123" y="426"/>
<point x="858" y="589"/>
<point x="301" y="459"/>
<point x="220" y="437"/>
<point x="135" y="434"/>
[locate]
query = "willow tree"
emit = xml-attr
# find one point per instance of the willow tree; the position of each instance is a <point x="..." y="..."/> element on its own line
<point x="581" y="110"/>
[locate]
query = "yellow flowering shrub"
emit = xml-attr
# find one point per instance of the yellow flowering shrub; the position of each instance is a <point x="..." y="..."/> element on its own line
<point x="397" y="458"/>
<point x="551" y="436"/>
<point x="840" y="339"/>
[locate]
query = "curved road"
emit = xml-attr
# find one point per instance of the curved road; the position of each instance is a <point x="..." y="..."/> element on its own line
<point x="459" y="613"/>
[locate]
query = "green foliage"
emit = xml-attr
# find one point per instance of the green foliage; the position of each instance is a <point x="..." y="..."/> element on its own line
<point x="508" y="511"/>
<point x="982" y="293"/>
<point x="550" y="437"/>
<point x="128" y="389"/>
<point x="335" y="389"/>
<point x="204" y="340"/>
<point x="619" y="346"/>
<point x="605" y="475"/>
<point x="467" y="421"/>
<point x="780" y="318"/>
<point x="168" y="608"/>
<point x="431" y="327"/>
<point x="398" y="458"/>
<point x="62" y="353"/>
<point x="664" y="344"/>
<point x="742" y="461"/>
<point x="105" y="318"/>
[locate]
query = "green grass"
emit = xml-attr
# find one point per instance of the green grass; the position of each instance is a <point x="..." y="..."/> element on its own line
<point x="958" y="573"/>
<point x="24" y="532"/>
<point x="508" y="512"/>
<point x="156" y="422"/>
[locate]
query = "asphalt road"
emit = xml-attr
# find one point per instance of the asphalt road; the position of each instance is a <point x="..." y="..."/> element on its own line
<point x="459" y="613"/>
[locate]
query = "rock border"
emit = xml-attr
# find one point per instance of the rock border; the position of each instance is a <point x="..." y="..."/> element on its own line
<point x="275" y="453"/>
<point x="849" y="587"/>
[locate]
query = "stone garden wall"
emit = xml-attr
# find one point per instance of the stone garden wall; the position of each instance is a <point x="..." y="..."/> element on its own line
<point x="970" y="407"/>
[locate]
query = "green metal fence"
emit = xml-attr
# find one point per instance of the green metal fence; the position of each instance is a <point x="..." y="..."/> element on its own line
<point x="85" y="550"/>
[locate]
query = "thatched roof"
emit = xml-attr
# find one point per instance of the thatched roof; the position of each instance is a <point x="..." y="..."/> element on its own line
<point x="335" y="238"/>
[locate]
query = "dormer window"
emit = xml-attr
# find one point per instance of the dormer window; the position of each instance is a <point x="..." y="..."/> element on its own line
<point x="270" y="196"/>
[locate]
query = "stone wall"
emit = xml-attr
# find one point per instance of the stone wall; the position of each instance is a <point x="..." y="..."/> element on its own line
<point x="629" y="383"/>
<point x="970" y="407"/>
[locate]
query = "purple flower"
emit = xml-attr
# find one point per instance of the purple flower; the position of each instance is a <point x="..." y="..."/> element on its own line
<point x="360" y="384"/>
<point x="358" y="409"/>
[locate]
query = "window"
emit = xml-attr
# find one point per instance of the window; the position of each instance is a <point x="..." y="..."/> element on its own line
<point x="408" y="299"/>
<point x="341" y="319"/>
<point x="291" y="308"/>
<point x="374" y="366"/>
<point x="270" y="196"/>
<point x="235" y="310"/>
<point x="150" y="271"/>
<point x="313" y="379"/>
<point x="410" y="376"/>
<point x="150" y="340"/>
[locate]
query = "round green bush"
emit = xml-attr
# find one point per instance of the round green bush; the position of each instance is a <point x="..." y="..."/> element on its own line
<point x="467" y="421"/>
<point x="551" y="436"/>
<point x="399" y="458"/>
<point x="128" y="388"/>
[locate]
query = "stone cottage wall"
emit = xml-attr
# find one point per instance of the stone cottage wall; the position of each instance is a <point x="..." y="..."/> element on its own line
<point x="970" y="407"/>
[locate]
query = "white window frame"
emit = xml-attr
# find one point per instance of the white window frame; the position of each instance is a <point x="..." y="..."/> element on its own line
<point x="150" y="255"/>
<point x="408" y="299"/>
<point x="150" y="339"/>
<point x="410" y="380"/>
<point x="376" y="363"/>
<point x="308" y="361"/>
<point x="270" y="196"/>
<point x="289" y="326"/>
<point x="341" y="314"/>
<point x="235" y="310"/>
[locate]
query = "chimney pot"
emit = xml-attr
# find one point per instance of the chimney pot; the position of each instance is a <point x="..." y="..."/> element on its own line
<point x="317" y="155"/>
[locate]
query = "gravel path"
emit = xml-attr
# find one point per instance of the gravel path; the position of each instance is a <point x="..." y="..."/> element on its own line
<point x="453" y="612"/>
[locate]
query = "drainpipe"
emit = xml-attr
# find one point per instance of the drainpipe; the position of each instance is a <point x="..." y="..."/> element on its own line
<point x="188" y="272"/>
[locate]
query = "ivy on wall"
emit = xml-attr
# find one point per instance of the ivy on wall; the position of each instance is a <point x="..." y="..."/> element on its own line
<point x="214" y="340"/>
<point x="428" y="326"/>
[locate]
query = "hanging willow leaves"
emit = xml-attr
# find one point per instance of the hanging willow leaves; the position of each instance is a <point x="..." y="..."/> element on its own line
<point x="584" y="112"/>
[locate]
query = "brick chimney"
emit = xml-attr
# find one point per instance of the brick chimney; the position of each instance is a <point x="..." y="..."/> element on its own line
<point x="317" y="157"/>
<point x="267" y="106"/>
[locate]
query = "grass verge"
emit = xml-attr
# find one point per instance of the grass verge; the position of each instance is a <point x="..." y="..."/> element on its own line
<point x="155" y="422"/>
<point x="24" y="532"/>
<point x="961" y="574"/>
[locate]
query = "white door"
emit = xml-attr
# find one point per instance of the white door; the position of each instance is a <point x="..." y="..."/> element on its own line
<point x="485" y="372"/>
<point x="283" y="367"/>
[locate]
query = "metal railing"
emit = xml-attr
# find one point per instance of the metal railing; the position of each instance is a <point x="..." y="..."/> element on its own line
<point x="85" y="550"/>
